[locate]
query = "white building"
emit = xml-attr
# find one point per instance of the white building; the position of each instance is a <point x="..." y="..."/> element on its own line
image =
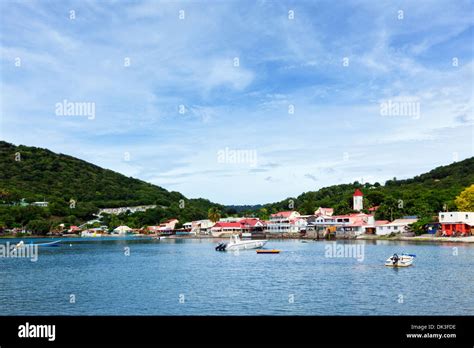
<point x="40" y="204"/>
<point x="286" y="222"/>
<point x="121" y="210"/>
<point x="465" y="217"/>
<point x="456" y="223"/>
<point x="226" y="229"/>
<point x="396" y="226"/>
<point x="202" y="226"/>
<point x="122" y="230"/>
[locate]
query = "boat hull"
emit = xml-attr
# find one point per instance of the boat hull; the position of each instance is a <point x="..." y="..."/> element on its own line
<point x="268" y="251"/>
<point x="246" y="245"/>
<point x="404" y="261"/>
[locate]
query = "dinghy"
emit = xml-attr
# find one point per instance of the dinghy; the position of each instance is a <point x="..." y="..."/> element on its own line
<point x="268" y="251"/>
<point x="404" y="260"/>
<point x="49" y="244"/>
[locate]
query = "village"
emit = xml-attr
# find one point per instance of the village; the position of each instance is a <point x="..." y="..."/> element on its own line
<point x="323" y="224"/>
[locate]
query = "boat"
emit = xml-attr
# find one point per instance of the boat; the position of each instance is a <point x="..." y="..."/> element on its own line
<point x="50" y="244"/>
<point x="268" y="251"/>
<point x="404" y="260"/>
<point x="160" y="237"/>
<point x="235" y="243"/>
<point x="22" y="244"/>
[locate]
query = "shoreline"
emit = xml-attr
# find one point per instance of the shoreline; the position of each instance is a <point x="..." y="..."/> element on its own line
<point x="421" y="239"/>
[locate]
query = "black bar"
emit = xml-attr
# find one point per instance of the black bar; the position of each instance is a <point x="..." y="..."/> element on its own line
<point x="291" y="331"/>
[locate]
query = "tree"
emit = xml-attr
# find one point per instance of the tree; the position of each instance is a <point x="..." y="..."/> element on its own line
<point x="38" y="226"/>
<point x="419" y="227"/>
<point x="465" y="200"/>
<point x="263" y="214"/>
<point x="214" y="214"/>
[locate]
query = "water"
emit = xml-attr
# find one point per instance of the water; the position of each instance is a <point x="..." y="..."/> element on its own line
<point x="187" y="277"/>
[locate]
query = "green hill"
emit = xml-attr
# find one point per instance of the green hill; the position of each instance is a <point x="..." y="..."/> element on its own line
<point x="424" y="195"/>
<point x="39" y="174"/>
<point x="36" y="174"/>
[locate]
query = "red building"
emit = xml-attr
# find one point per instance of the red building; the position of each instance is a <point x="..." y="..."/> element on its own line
<point x="456" y="223"/>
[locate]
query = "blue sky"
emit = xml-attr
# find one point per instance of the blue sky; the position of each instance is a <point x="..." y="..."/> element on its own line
<point x="336" y="134"/>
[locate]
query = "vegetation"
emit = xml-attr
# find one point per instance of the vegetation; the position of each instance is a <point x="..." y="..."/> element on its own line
<point x="76" y="190"/>
<point x="214" y="214"/>
<point x="424" y="195"/>
<point x="465" y="200"/>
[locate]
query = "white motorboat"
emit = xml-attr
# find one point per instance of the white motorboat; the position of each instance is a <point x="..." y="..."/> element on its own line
<point x="235" y="243"/>
<point x="404" y="260"/>
<point x="160" y="237"/>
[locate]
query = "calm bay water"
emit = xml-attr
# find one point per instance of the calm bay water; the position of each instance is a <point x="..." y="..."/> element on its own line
<point x="299" y="281"/>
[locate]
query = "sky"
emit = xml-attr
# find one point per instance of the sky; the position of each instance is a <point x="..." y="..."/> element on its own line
<point x="242" y="102"/>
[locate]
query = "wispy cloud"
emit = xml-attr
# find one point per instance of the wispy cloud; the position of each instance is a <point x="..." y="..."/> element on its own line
<point x="172" y="88"/>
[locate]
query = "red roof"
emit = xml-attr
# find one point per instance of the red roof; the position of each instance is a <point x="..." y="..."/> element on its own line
<point x="227" y="224"/>
<point x="358" y="193"/>
<point x="381" y="222"/>
<point x="250" y="222"/>
<point x="284" y="213"/>
<point x="374" y="208"/>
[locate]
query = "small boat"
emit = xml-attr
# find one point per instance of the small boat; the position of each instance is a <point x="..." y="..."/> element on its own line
<point x="49" y="244"/>
<point x="236" y="244"/>
<point x="268" y="251"/>
<point x="160" y="237"/>
<point x="404" y="260"/>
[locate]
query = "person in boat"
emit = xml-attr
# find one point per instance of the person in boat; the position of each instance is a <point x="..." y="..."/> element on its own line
<point x="395" y="259"/>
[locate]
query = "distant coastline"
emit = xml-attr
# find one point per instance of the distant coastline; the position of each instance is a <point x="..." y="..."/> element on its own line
<point x="417" y="239"/>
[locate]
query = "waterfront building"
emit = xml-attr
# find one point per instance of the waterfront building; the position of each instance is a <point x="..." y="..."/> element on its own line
<point x="252" y="225"/>
<point x="286" y="222"/>
<point x="396" y="226"/>
<point x="231" y="219"/>
<point x="226" y="229"/>
<point x="122" y="230"/>
<point x="202" y="226"/>
<point x="168" y="225"/>
<point x="74" y="229"/>
<point x="352" y="225"/>
<point x="457" y="223"/>
<point x="349" y="225"/>
<point x="357" y="199"/>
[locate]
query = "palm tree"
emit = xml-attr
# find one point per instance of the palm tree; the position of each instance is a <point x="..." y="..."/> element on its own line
<point x="214" y="214"/>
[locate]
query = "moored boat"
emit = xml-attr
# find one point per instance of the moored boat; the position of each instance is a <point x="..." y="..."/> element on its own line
<point x="235" y="243"/>
<point x="268" y="251"/>
<point x="55" y="243"/>
<point x="404" y="260"/>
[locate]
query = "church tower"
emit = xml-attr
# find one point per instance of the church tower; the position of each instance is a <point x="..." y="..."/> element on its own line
<point x="357" y="199"/>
